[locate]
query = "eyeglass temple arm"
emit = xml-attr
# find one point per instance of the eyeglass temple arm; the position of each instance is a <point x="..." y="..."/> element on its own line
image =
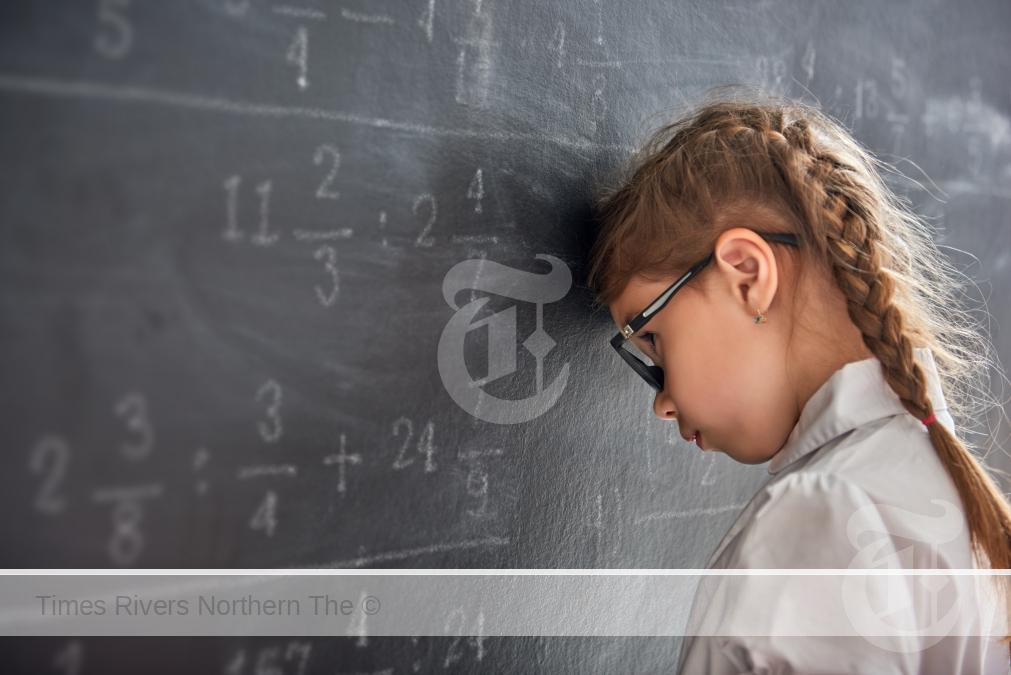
<point x="782" y="238"/>
<point x="643" y="317"/>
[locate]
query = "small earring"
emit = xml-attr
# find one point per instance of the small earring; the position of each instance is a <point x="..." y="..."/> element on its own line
<point x="760" y="317"/>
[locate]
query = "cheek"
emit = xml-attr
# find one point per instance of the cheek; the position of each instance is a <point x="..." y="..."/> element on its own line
<point x="727" y="377"/>
<point x="694" y="356"/>
<point x="716" y="368"/>
<point x="705" y="343"/>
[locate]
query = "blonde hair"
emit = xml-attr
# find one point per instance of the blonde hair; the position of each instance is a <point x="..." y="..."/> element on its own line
<point x="748" y="150"/>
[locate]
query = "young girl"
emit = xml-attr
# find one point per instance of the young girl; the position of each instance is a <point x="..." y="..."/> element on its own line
<point x="792" y="307"/>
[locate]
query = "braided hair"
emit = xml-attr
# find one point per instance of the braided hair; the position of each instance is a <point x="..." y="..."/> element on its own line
<point x="742" y="151"/>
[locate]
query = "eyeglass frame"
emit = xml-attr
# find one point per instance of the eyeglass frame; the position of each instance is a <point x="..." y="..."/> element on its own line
<point x="654" y="374"/>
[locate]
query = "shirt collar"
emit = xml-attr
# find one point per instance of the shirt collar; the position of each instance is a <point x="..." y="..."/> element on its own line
<point x="854" y="395"/>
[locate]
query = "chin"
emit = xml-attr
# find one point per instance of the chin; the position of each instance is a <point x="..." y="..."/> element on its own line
<point x="742" y="459"/>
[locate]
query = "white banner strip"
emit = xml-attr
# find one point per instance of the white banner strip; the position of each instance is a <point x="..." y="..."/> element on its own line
<point x="502" y="603"/>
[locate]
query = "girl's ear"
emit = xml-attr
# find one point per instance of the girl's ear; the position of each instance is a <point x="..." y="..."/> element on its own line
<point x="747" y="265"/>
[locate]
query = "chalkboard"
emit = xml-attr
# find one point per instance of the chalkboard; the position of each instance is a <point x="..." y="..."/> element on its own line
<point x="236" y="234"/>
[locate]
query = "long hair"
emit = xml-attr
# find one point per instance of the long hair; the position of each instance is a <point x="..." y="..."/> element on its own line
<point x="747" y="150"/>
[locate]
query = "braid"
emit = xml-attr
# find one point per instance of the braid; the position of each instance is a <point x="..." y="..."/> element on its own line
<point x="850" y="234"/>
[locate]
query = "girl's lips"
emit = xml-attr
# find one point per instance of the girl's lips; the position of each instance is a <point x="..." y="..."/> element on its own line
<point x="694" y="437"/>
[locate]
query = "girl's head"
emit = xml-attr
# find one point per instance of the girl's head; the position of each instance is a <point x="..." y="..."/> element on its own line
<point x="738" y="384"/>
<point x="865" y="280"/>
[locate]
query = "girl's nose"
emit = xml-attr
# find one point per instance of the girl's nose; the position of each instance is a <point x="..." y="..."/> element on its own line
<point x="663" y="406"/>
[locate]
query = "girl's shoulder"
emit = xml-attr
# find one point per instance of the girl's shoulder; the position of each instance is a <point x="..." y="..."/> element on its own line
<point x="883" y="476"/>
<point x="880" y="487"/>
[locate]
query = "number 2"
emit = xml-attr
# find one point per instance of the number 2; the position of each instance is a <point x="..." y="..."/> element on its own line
<point x="326" y="190"/>
<point x="51" y="455"/>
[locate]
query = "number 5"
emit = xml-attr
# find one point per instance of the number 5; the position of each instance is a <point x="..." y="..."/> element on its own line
<point x="115" y="42"/>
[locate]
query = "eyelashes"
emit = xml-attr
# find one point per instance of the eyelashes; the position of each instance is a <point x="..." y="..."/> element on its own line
<point x="650" y="339"/>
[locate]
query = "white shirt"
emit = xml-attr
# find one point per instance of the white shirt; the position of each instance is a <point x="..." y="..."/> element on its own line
<point x="856" y="462"/>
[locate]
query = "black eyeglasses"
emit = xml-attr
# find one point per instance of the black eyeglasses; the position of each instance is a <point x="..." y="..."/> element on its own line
<point x="654" y="374"/>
